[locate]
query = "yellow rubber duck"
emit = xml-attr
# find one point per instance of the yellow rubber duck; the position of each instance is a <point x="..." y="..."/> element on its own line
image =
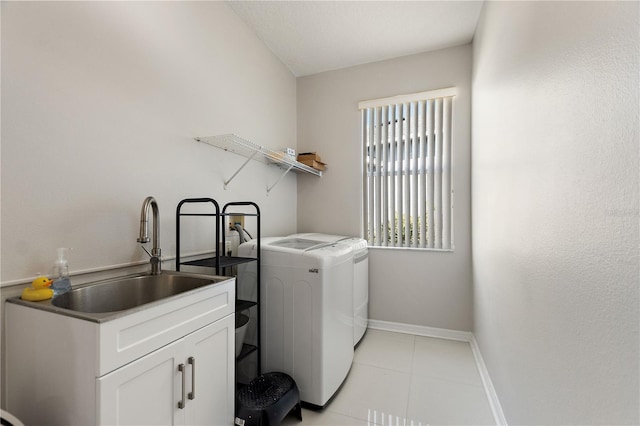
<point x="39" y="290"/>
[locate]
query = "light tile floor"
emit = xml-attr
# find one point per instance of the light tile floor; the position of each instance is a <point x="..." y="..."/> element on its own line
<point x="402" y="380"/>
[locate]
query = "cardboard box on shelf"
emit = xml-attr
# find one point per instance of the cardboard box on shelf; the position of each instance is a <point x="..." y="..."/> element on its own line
<point x="312" y="159"/>
<point x="315" y="164"/>
<point x="309" y="156"/>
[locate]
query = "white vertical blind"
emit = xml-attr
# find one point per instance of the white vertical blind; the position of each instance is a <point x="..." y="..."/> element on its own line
<point x="392" y="177"/>
<point x="407" y="182"/>
<point x="437" y="176"/>
<point x="422" y="164"/>
<point x="446" y="173"/>
<point x="377" y="176"/>
<point x="430" y="168"/>
<point x="414" y="174"/>
<point x="396" y="169"/>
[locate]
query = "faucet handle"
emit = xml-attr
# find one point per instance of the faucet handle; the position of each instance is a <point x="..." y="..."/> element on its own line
<point x="155" y="261"/>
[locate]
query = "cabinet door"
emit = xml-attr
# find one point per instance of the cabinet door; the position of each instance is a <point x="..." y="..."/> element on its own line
<point x="144" y="392"/>
<point x="212" y="377"/>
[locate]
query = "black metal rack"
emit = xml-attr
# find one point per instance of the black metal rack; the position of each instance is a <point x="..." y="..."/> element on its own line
<point x="222" y="263"/>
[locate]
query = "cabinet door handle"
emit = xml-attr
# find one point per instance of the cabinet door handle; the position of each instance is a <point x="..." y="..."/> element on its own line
<point x="192" y="361"/>
<point x="181" y="370"/>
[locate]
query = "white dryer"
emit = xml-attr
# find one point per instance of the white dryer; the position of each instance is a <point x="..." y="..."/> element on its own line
<point x="306" y="312"/>
<point x="360" y="277"/>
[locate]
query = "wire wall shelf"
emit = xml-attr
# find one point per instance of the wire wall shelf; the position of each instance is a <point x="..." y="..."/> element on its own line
<point x="253" y="151"/>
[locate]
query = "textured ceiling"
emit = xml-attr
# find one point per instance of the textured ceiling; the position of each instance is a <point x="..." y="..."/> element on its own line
<point x="316" y="36"/>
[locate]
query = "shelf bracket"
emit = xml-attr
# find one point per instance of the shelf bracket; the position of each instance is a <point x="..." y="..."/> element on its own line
<point x="279" y="179"/>
<point x="228" y="181"/>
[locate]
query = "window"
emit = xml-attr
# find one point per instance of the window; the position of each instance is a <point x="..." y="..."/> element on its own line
<point x="407" y="182"/>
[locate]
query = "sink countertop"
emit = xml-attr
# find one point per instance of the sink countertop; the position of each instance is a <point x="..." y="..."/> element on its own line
<point x="101" y="317"/>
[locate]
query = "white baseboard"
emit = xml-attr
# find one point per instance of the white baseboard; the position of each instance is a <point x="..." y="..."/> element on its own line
<point x="421" y="330"/>
<point x="494" y="402"/>
<point x="464" y="336"/>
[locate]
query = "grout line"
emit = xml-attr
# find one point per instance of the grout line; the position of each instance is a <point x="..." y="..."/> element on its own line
<point x="413" y="356"/>
<point x="382" y="368"/>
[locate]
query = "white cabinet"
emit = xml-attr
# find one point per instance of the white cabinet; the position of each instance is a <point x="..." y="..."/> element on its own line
<point x="213" y="351"/>
<point x="143" y="392"/>
<point x="133" y="369"/>
<point x="187" y="382"/>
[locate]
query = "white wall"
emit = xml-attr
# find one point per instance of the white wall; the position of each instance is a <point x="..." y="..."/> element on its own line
<point x="100" y="104"/>
<point x="556" y="241"/>
<point x="414" y="287"/>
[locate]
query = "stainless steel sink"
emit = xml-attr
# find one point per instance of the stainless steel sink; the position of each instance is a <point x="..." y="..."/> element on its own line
<point x="109" y="299"/>
<point x="127" y="293"/>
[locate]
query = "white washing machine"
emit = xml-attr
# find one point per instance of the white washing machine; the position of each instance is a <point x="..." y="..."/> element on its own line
<point x="306" y="312"/>
<point x="360" y="277"/>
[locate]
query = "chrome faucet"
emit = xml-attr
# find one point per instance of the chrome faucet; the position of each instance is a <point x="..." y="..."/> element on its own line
<point x="156" y="263"/>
